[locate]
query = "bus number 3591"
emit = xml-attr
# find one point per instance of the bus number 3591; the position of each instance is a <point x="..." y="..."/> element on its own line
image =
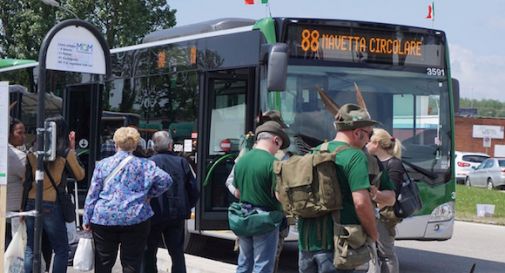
<point x="432" y="71"/>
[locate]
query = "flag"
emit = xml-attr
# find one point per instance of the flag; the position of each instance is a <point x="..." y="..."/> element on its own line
<point x="431" y="11"/>
<point x="251" y="2"/>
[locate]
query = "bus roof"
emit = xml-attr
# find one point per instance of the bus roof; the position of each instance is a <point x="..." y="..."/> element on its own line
<point x="198" y="28"/>
<point x="14" y="62"/>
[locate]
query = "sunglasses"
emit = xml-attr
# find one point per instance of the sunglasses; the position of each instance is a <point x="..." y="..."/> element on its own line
<point x="369" y="133"/>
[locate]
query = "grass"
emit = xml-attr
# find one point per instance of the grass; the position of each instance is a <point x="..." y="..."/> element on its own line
<point x="467" y="199"/>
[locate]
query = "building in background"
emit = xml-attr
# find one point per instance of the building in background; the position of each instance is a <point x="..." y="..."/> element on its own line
<point x="478" y="134"/>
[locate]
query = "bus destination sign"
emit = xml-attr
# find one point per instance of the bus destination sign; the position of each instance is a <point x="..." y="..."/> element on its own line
<point x="362" y="45"/>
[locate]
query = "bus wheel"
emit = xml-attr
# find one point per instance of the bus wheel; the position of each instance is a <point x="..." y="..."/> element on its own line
<point x="194" y="243"/>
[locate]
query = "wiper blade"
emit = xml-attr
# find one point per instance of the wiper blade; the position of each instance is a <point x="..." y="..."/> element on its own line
<point x="431" y="175"/>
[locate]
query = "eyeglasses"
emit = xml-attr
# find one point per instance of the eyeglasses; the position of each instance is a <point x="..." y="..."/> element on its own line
<point x="369" y="133"/>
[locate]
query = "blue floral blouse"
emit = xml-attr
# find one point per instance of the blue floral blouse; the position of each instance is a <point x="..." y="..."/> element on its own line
<point x="125" y="199"/>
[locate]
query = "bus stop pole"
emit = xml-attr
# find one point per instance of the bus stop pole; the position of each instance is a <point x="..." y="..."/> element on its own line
<point x="39" y="174"/>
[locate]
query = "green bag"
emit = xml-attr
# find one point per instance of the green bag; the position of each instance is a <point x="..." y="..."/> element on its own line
<point x="246" y="220"/>
<point x="308" y="185"/>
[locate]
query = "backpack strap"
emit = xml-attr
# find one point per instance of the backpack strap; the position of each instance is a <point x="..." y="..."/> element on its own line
<point x="325" y="147"/>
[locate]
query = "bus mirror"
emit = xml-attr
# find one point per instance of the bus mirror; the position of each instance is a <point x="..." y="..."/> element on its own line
<point x="50" y="141"/>
<point x="277" y="67"/>
<point x="455" y="94"/>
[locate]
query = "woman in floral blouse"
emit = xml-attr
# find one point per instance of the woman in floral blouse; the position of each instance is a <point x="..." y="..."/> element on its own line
<point x="117" y="208"/>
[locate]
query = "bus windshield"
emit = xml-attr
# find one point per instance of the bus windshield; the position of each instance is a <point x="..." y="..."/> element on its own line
<point x="413" y="106"/>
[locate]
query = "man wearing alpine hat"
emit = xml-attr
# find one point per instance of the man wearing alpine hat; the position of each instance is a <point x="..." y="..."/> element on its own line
<point x="316" y="250"/>
<point x="255" y="180"/>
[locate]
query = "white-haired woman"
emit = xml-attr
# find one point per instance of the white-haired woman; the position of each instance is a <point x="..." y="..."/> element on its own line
<point x="388" y="150"/>
<point x="117" y="208"/>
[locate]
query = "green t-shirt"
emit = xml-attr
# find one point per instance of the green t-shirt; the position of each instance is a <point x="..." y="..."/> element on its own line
<point x="352" y="173"/>
<point x="255" y="179"/>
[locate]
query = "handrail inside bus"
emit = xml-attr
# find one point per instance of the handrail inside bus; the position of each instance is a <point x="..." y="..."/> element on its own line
<point x="213" y="166"/>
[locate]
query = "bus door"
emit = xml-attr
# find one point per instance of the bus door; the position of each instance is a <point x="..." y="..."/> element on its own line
<point x="227" y="106"/>
<point x="82" y="112"/>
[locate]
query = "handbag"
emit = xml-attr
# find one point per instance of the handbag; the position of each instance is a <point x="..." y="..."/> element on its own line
<point x="246" y="220"/>
<point x="84" y="258"/>
<point x="65" y="200"/>
<point x="15" y="254"/>
<point x="408" y="199"/>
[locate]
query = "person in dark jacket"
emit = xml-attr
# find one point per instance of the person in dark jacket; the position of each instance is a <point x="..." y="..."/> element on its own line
<point x="172" y="208"/>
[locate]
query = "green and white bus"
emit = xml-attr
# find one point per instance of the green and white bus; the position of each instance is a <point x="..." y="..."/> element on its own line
<point x="206" y="83"/>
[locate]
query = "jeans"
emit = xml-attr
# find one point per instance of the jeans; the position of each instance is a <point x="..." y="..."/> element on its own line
<point x="54" y="227"/>
<point x="130" y="239"/>
<point x="172" y="233"/>
<point x="387" y="258"/>
<point x="257" y="253"/>
<point x="318" y="262"/>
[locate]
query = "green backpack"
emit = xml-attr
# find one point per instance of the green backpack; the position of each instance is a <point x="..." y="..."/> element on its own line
<point x="307" y="185"/>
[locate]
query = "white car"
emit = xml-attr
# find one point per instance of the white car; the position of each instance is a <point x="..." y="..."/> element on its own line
<point x="464" y="163"/>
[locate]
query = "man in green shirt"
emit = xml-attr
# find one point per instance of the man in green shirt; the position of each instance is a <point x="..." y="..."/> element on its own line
<point x="255" y="180"/>
<point x="354" y="128"/>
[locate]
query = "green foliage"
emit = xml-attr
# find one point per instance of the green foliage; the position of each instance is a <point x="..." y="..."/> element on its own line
<point x="467" y="199"/>
<point x="24" y="23"/>
<point x="485" y="107"/>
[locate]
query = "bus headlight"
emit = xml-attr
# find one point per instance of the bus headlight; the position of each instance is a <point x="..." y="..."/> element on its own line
<point x="443" y="212"/>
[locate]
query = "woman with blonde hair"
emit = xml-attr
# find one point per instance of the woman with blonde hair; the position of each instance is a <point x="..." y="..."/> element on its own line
<point x="388" y="150"/>
<point x="117" y="208"/>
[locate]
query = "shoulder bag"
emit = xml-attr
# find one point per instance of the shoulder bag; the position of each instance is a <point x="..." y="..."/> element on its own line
<point x="353" y="247"/>
<point x="408" y="199"/>
<point x="117" y="169"/>
<point x="247" y="220"/>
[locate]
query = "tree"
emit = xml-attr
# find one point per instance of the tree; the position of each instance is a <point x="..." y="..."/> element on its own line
<point x="24" y="23"/>
<point x="485" y="107"/>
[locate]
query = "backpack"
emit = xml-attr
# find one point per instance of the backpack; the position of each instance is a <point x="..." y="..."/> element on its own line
<point x="307" y="185"/>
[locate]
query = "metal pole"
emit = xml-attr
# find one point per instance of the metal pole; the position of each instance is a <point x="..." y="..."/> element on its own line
<point x="39" y="174"/>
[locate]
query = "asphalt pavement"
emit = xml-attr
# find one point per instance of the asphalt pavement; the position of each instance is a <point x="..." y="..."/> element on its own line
<point x="194" y="264"/>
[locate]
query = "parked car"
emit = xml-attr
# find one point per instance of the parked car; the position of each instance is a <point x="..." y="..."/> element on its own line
<point x="464" y="163"/>
<point x="490" y="174"/>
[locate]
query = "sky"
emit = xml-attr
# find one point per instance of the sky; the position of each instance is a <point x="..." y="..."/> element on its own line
<point x="475" y="30"/>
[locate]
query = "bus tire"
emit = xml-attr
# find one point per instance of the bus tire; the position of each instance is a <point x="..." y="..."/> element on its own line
<point x="194" y="243"/>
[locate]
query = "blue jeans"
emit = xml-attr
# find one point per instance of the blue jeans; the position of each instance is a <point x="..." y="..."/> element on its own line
<point x="318" y="262"/>
<point x="257" y="253"/>
<point x="54" y="227"/>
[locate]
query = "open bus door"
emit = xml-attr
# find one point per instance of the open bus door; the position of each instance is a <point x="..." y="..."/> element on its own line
<point x="227" y="106"/>
<point x="81" y="110"/>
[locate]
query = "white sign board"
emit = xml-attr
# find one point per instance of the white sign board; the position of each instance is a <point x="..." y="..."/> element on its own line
<point x="499" y="150"/>
<point x="75" y="49"/>
<point x="481" y="131"/>
<point x="4" y="130"/>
